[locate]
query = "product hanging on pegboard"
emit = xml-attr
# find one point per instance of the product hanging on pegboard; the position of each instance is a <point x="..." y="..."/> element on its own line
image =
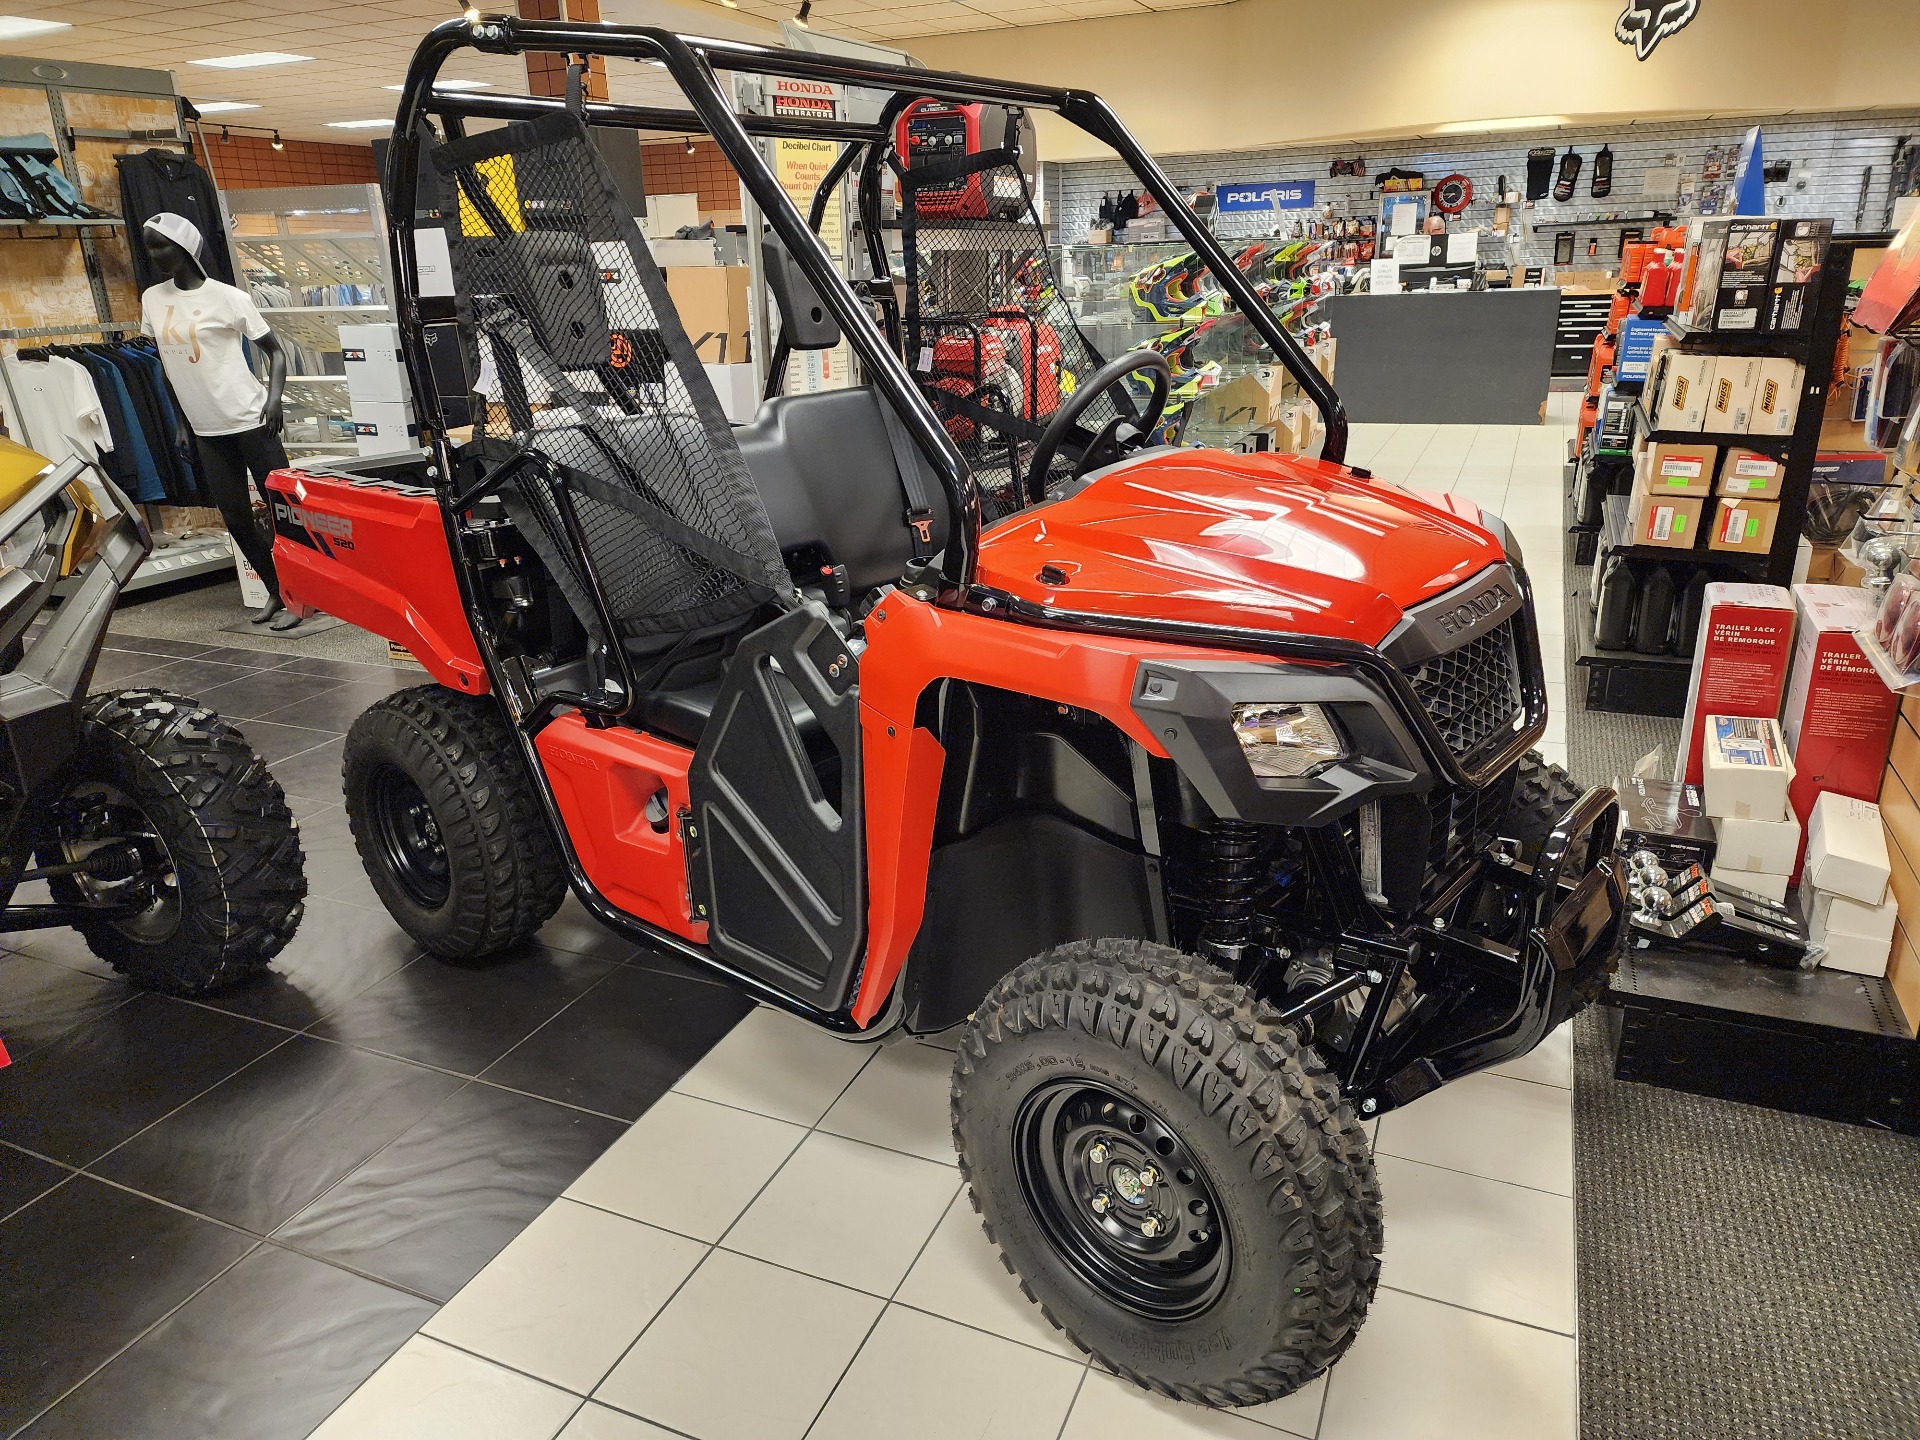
<point x="1602" y="174"/>
<point x="1569" y="176"/>
<point x="1539" y="171"/>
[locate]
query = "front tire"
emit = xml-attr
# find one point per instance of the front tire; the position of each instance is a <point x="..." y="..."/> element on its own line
<point x="1121" y="1089"/>
<point x="222" y="852"/>
<point x="447" y="824"/>
<point x="1542" y="794"/>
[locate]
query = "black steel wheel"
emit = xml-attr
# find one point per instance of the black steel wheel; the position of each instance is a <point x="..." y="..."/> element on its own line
<point x="1106" y="1090"/>
<point x="407" y="835"/>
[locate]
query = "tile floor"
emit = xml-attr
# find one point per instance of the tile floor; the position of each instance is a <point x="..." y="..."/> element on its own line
<point x="780" y="1247"/>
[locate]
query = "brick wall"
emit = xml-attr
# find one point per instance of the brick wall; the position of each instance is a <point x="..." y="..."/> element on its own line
<point x="249" y="162"/>
<point x="670" y="170"/>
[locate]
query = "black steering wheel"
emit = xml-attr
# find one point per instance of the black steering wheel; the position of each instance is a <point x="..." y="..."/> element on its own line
<point x="1118" y="435"/>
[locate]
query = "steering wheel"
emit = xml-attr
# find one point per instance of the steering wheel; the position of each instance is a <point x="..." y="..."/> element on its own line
<point x="1118" y="435"/>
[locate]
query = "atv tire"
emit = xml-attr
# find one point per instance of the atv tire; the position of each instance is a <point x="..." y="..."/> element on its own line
<point x="1108" y="1081"/>
<point x="238" y="878"/>
<point x="1542" y="795"/>
<point x="447" y="824"/>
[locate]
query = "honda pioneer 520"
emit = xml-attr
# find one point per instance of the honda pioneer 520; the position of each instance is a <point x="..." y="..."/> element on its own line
<point x="1196" y="784"/>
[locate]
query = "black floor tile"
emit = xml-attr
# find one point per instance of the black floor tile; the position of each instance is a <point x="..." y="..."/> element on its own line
<point x="334" y="867"/>
<point x="261" y="692"/>
<point x="191" y="677"/>
<point x="304" y="809"/>
<point x="255" y="1149"/>
<point x="146" y="645"/>
<point x="58" y="944"/>
<point x="40" y="1001"/>
<point x="265" y="1352"/>
<point x="95" y="1086"/>
<point x="82" y="1273"/>
<point x="315" y="775"/>
<point x="276" y="744"/>
<point x="336" y="953"/>
<point x="573" y="928"/>
<point x="254" y="660"/>
<point x="464" y="1016"/>
<point x="122" y="670"/>
<point x="23" y="1177"/>
<point x="339" y="706"/>
<point x="356" y="670"/>
<point x="648" y="957"/>
<point x="446" y="1197"/>
<point x="621" y="1046"/>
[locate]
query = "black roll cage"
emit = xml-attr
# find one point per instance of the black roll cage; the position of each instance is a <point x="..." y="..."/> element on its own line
<point x="692" y="62"/>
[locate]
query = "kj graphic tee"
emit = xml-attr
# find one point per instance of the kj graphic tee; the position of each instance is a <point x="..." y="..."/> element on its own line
<point x="199" y="333"/>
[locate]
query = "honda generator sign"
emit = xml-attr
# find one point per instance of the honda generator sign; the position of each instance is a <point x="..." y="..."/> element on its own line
<point x="1267" y="195"/>
<point x="815" y="99"/>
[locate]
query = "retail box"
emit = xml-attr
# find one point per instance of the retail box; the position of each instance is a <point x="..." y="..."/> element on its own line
<point x="1736" y="379"/>
<point x="1753" y="882"/>
<point x="1668" y="819"/>
<point x="1744" y="527"/>
<point x="1856" y="954"/>
<point x="1677" y="467"/>
<point x="374" y="368"/>
<point x="1847" y="849"/>
<point x="1749" y="475"/>
<point x="1633" y="355"/>
<point x="1739" y="663"/>
<point x="672" y="254"/>
<point x="1746" y="768"/>
<point x="1734" y="271"/>
<point x="1796" y="273"/>
<point x="1677" y="392"/>
<point x="1829" y="914"/>
<point x="1670" y="521"/>
<point x="738" y="392"/>
<point x="712" y="301"/>
<point x="1749" y="844"/>
<point x="1839" y="716"/>
<point x="1776" y="399"/>
<point x="384" y="427"/>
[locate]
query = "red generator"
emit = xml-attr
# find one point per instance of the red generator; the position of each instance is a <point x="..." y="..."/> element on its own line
<point x="931" y="131"/>
<point x="1660" y="284"/>
<point x="1035" y="354"/>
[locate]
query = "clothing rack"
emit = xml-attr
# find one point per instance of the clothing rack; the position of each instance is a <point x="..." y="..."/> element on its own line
<point x="107" y="329"/>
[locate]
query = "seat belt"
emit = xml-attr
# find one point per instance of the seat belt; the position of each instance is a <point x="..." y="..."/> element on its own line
<point x="906" y="459"/>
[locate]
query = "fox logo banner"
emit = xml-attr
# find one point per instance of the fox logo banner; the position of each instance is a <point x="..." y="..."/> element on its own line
<point x="1268" y="195"/>
<point x="1645" y="23"/>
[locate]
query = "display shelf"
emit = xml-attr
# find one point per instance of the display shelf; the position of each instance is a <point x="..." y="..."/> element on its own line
<point x="1741" y="342"/>
<point x="63" y="222"/>
<point x="186" y="561"/>
<point x="1614" y="527"/>
<point x="1776" y="445"/>
<point x="272" y="310"/>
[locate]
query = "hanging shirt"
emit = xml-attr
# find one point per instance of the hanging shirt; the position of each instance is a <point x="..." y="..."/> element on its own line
<point x="60" y="409"/>
<point x="199" y="334"/>
<point x="152" y="181"/>
<point x="140" y="476"/>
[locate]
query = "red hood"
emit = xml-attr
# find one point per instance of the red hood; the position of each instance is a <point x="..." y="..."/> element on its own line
<point x="1256" y="541"/>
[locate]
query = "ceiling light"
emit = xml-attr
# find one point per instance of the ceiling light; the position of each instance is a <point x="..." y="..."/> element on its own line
<point x="252" y="61"/>
<point x="689" y="145"/>
<point x="1511" y="122"/>
<point x="800" y="16"/>
<point x="226" y="136"/>
<point x="278" y="143"/>
<point x="731" y="4"/>
<point x="19" y="27"/>
<point x="222" y="107"/>
<point x="360" y="124"/>
<point x="471" y="15"/>
<point x="450" y="85"/>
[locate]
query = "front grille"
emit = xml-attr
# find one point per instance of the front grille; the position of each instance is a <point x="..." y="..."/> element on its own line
<point x="1463" y="822"/>
<point x="1472" y="693"/>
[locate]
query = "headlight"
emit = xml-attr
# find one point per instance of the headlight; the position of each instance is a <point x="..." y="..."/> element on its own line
<point x="1284" y="741"/>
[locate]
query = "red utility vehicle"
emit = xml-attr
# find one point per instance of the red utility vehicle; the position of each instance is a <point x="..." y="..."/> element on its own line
<point x="1195" y="785"/>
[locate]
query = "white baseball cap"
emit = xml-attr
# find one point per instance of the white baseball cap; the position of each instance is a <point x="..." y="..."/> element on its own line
<point x="181" y="231"/>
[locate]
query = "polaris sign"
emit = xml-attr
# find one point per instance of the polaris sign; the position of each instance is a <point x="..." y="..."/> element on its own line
<point x="1267" y="195"/>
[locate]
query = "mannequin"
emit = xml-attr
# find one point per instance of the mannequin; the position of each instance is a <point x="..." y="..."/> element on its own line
<point x="226" y="414"/>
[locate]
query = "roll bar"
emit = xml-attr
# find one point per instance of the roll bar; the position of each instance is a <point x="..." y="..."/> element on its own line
<point x="692" y="62"/>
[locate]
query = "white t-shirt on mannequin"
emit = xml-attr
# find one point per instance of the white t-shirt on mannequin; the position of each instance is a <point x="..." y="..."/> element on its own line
<point x="199" y="333"/>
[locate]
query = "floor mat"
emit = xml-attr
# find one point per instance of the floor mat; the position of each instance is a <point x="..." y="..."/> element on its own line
<point x="215" y="615"/>
<point x="1744" y="1274"/>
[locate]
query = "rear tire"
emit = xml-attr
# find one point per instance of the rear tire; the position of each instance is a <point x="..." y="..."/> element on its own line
<point x="214" y="816"/>
<point x="447" y="824"/>
<point x="1107" y="1087"/>
<point x="1542" y="794"/>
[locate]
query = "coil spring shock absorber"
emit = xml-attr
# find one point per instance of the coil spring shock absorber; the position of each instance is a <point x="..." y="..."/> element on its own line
<point x="1233" y="873"/>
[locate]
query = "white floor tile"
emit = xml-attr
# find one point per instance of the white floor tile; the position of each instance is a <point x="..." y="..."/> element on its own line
<point x="1548" y="1063"/>
<point x="1500" y="1249"/>
<point x="688" y="1165"/>
<point x="1108" y="1407"/>
<point x="959" y="1276"/>
<point x="900" y="1101"/>
<point x="430" y="1391"/>
<point x="935" y="1380"/>
<point x="1490" y="1126"/>
<point x="1554" y="751"/>
<point x="777" y="1065"/>
<point x="848" y="1212"/>
<point x="567" y="1297"/>
<point x="597" y="1422"/>
<point x="1425" y="1371"/>
<point x="746" y="1351"/>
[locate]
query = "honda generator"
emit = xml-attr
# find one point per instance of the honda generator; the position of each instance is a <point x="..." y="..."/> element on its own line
<point x="975" y="182"/>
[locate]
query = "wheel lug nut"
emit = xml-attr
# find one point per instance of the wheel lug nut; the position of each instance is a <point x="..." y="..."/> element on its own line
<point x="1100" y="1203"/>
<point x="1097" y="1155"/>
<point x="1150" y="1226"/>
<point x="1149" y="1176"/>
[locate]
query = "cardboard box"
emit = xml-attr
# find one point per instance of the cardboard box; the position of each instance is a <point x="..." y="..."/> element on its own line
<point x="385" y="427"/>
<point x="1744" y="526"/>
<point x="712" y="301"/>
<point x="671" y="254"/>
<point x="739" y="395"/>
<point x="1797" y="264"/>
<point x="1770" y="846"/>
<point x="1668" y="819"/>
<point x="1739" y="662"/>
<point x="1856" y="954"/>
<point x="1754" y="882"/>
<point x="1746" y="768"/>
<point x="1839" y="717"/>
<point x="1677" y="393"/>
<point x="1736" y="380"/>
<point x="1847" y="849"/>
<point x="1670" y="521"/>
<point x="1827" y="914"/>
<point x="374" y="368"/>
<point x="1749" y="475"/>
<point x="1776" y="399"/>
<point x="1677" y="467"/>
<point x="1734" y="273"/>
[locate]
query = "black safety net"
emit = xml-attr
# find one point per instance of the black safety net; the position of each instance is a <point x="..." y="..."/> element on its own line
<point x="990" y="339"/>
<point x="588" y="381"/>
